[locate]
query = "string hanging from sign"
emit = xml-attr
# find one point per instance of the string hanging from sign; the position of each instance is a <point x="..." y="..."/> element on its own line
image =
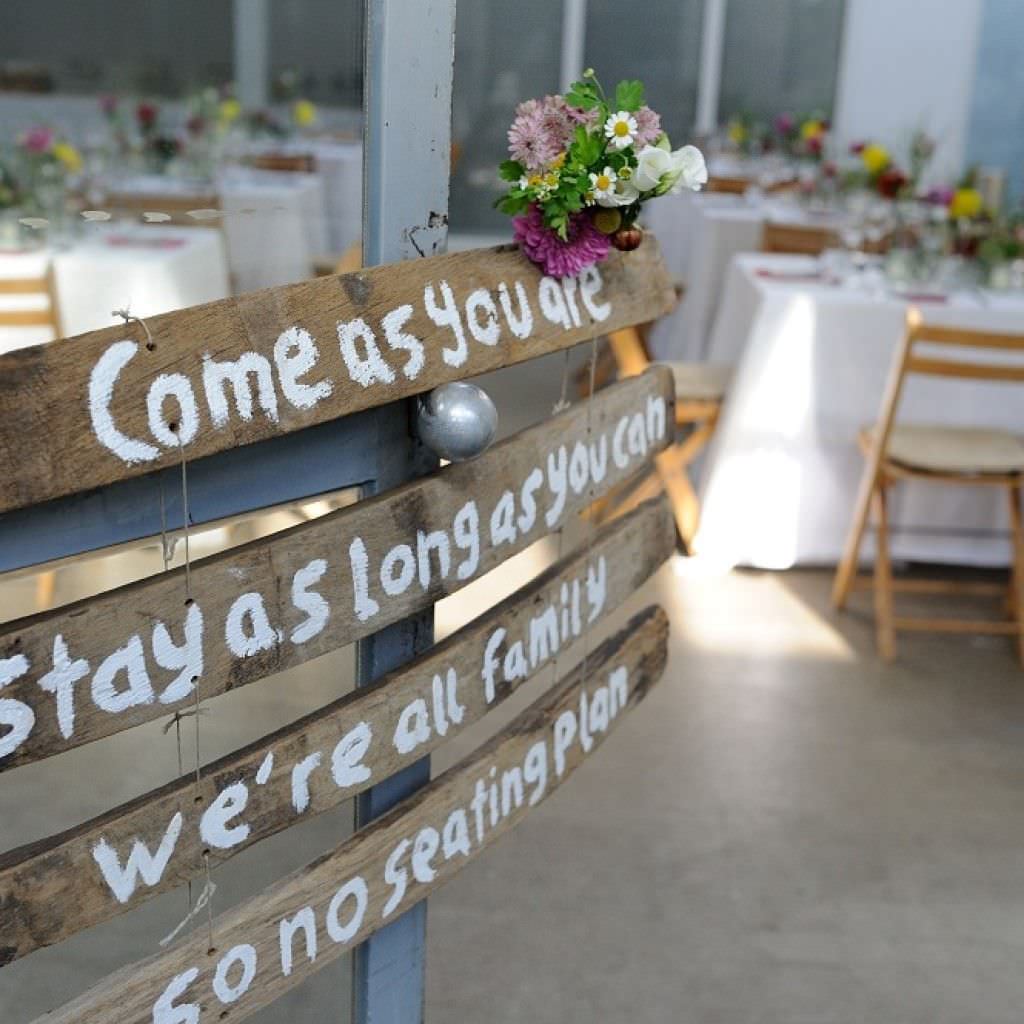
<point x="205" y="898"/>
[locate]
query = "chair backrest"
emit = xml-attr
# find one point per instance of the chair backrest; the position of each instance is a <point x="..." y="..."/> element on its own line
<point x="629" y="351"/>
<point x="301" y="162"/>
<point x="729" y="186"/>
<point x="961" y="341"/>
<point x="176" y="205"/>
<point x="48" y="316"/>
<point x="802" y="239"/>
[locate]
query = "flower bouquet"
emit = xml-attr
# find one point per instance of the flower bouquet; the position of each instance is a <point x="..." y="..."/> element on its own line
<point x="582" y="165"/>
<point x="802" y="137"/>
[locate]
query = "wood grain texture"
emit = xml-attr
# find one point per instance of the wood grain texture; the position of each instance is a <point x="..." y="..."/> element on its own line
<point x="54" y="888"/>
<point x="374" y="336"/>
<point x="346" y="894"/>
<point x="97" y="667"/>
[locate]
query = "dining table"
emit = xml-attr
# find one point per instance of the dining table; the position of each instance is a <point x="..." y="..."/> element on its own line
<point x="145" y="269"/>
<point x="699" y="234"/>
<point x="811" y="350"/>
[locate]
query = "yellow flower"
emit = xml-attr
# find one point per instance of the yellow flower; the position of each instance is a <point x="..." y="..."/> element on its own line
<point x="68" y="156"/>
<point x="874" y="157"/>
<point x="812" y="129"/>
<point x="737" y="132"/>
<point x="304" y="113"/>
<point x="559" y="161"/>
<point x="230" y="110"/>
<point x="966" y="202"/>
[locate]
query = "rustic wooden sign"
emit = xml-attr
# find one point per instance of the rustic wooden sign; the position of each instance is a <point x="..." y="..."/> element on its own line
<point x="82" y="412"/>
<point x="97" y="667"/>
<point x="272" y="942"/>
<point x="88" y="874"/>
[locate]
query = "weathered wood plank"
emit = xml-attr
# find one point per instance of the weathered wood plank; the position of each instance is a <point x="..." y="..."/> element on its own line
<point x="82" y="412"/>
<point x="133" y="654"/>
<point x="274" y="941"/>
<point x="60" y="885"/>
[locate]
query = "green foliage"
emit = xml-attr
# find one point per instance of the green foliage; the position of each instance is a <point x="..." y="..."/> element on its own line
<point x="586" y="148"/>
<point x="510" y="170"/>
<point x="629" y="95"/>
<point x="585" y="95"/>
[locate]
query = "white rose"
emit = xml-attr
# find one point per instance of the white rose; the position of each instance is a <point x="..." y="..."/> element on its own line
<point x="652" y="163"/>
<point x="690" y="170"/>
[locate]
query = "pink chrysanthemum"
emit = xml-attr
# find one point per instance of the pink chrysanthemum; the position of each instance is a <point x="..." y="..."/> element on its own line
<point x="648" y="127"/>
<point x="557" y="258"/>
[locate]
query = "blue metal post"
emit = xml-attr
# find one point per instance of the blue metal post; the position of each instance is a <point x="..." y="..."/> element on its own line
<point x="410" y="47"/>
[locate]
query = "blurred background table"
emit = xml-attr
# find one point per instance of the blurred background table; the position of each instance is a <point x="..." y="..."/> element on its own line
<point x="811" y="358"/>
<point x="147" y="269"/>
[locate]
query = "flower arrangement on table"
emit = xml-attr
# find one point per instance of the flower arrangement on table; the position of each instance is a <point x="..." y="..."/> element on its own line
<point x="877" y="172"/>
<point x="747" y="134"/>
<point x="581" y="167"/>
<point x="42" y="164"/>
<point x="804" y="137"/>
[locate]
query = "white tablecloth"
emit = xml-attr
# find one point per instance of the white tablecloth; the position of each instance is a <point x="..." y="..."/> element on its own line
<point x="700" y="233"/>
<point x="780" y="476"/>
<point x="340" y="165"/>
<point x="274" y="221"/>
<point x="148" y="269"/>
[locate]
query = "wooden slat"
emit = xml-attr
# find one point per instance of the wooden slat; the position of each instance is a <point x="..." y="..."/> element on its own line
<point x="967" y="371"/>
<point x="79" y="413"/>
<point x="949" y="335"/>
<point x="349" y="893"/>
<point x="284" y="599"/>
<point x="26" y="318"/>
<point x="955" y="626"/>
<point x="56" y="887"/>
<point x="24" y="286"/>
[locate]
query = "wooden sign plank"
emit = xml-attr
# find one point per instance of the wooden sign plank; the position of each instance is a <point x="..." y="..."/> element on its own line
<point x="272" y="942"/>
<point x="82" y="412"/>
<point x="136" y="653"/>
<point x="58" y="886"/>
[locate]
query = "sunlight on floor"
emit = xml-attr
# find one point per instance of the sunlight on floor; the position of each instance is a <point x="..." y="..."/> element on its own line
<point x="759" y="613"/>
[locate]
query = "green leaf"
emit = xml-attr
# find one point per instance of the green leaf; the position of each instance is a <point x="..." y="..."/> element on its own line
<point x="510" y="170"/>
<point x="512" y="204"/>
<point x="629" y="95"/>
<point x="583" y="95"/>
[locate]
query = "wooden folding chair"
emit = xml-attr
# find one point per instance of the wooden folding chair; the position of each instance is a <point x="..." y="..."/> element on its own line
<point x="700" y="389"/>
<point x="950" y="455"/>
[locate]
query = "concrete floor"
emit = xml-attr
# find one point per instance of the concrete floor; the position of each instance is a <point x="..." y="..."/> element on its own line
<point x="786" y="832"/>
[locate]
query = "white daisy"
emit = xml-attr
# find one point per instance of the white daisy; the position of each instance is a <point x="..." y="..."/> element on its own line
<point x="621" y="129"/>
<point x="602" y="185"/>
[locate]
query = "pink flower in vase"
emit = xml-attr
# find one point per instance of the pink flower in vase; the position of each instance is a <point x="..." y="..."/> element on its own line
<point x="584" y="247"/>
<point x="784" y="124"/>
<point x="108" y="104"/>
<point x="37" y="140"/>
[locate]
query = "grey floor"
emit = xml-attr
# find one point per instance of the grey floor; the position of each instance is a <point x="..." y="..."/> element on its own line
<point x="785" y="832"/>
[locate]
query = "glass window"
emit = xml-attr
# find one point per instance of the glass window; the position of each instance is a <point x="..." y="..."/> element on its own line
<point x="995" y="134"/>
<point x="161" y="48"/>
<point x="316" y="51"/>
<point x="780" y="55"/>
<point x="503" y="54"/>
<point x="662" y="47"/>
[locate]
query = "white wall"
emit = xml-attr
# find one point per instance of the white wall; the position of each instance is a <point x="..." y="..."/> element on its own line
<point x="907" y="65"/>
